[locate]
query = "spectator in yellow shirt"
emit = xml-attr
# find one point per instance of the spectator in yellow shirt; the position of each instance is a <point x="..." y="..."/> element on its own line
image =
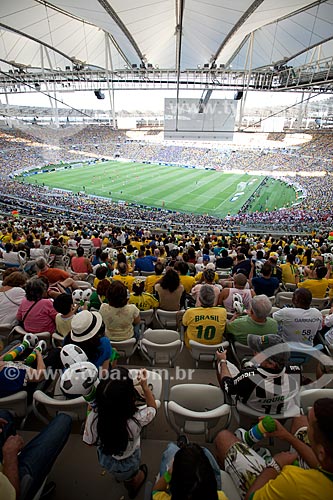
<point x="290" y="272"/>
<point x="205" y="324"/>
<point x="152" y="279"/>
<point x="182" y="269"/>
<point x="318" y="286"/>
<point x="124" y="277"/>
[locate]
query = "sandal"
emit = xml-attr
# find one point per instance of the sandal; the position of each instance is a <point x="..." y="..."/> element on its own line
<point x="132" y="492"/>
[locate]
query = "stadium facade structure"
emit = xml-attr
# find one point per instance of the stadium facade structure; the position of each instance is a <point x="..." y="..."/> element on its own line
<point x="109" y="45"/>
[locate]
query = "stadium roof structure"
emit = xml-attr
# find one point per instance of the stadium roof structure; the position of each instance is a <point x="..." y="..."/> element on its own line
<point x="261" y="44"/>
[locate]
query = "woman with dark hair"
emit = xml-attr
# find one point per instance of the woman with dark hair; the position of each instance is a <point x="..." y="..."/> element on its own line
<point x="118" y="316"/>
<point x="116" y="424"/>
<point x="98" y="297"/>
<point x="307" y="257"/>
<point x="192" y="258"/>
<point x="170" y="291"/>
<point x="36" y="311"/>
<point x="11" y="295"/>
<point x="194" y="475"/>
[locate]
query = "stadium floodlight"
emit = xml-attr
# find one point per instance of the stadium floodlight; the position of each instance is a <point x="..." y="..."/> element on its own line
<point x="99" y="94"/>
<point x="204" y="100"/>
<point x="238" y="95"/>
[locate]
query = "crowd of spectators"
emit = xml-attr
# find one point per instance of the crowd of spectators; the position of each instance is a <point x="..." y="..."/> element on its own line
<point x="95" y="333"/>
<point x="37" y="146"/>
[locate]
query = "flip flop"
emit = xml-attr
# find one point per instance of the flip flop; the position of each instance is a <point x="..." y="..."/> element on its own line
<point x="132" y="493"/>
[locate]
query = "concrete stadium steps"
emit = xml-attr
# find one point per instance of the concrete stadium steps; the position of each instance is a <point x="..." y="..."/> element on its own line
<point x="78" y="474"/>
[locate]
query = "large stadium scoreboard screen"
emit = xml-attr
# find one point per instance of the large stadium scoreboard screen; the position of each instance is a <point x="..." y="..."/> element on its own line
<point x="192" y="119"/>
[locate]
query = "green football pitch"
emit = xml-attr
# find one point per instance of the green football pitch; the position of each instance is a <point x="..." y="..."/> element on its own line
<point x="190" y="190"/>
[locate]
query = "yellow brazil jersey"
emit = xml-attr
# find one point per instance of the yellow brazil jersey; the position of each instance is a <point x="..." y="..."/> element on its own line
<point x="144" y="301"/>
<point x="289" y="272"/>
<point x="150" y="282"/>
<point x="303" y="483"/>
<point x="136" y="244"/>
<point x="317" y="287"/>
<point x="198" y="277"/>
<point x="188" y="282"/>
<point x="18" y="241"/>
<point x="96" y="281"/>
<point x="7" y="238"/>
<point x="127" y="280"/>
<point x="205" y="324"/>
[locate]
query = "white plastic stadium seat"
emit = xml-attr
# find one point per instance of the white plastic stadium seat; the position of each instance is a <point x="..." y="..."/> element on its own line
<point x="57" y="340"/>
<point x="228" y="486"/>
<point x="146" y="319"/>
<point x="125" y="347"/>
<point x="75" y="408"/>
<point x="22" y="258"/>
<point x="283" y="299"/>
<point x="241" y="352"/>
<point x="196" y="409"/>
<point x="202" y="352"/>
<point x="273" y="310"/>
<point x="161" y="346"/>
<point x="309" y="396"/>
<point x="290" y="287"/>
<point x="17" y="404"/>
<point x="146" y="273"/>
<point x="320" y="303"/>
<point x="66" y="262"/>
<point x="169" y="319"/>
<point x="19" y="331"/>
<point x="5" y="331"/>
<point x="83" y="285"/>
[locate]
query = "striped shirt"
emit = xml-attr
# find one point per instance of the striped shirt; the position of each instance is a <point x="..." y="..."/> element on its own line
<point x="268" y="392"/>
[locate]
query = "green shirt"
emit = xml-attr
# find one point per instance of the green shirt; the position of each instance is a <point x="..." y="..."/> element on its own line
<point x="241" y="327"/>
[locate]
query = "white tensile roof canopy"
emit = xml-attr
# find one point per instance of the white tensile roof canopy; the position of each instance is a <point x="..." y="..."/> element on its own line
<point x="167" y="34"/>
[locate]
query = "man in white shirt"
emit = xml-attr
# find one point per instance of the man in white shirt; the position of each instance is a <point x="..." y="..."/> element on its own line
<point x="86" y="244"/>
<point x="37" y="251"/>
<point x="301" y="322"/>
